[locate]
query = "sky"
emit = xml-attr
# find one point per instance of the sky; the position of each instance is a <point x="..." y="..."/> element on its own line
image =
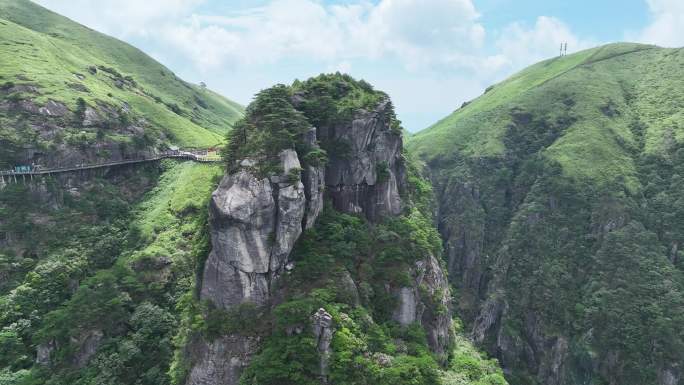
<point x="429" y="55"/>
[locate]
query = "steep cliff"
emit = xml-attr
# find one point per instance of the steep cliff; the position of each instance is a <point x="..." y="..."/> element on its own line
<point x="559" y="205"/>
<point x="368" y="176"/>
<point x="263" y="219"/>
<point x="254" y="224"/>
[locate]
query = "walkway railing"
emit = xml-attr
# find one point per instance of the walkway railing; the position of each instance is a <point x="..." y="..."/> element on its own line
<point x="202" y="156"/>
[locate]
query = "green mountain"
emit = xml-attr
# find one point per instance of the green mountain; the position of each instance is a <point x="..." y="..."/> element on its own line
<point x="64" y="86"/>
<point x="560" y="206"/>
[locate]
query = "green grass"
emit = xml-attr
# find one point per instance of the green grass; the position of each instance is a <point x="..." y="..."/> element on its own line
<point x="54" y="54"/>
<point x="183" y="190"/>
<point x="469" y="366"/>
<point x="607" y="91"/>
<point x="465" y="128"/>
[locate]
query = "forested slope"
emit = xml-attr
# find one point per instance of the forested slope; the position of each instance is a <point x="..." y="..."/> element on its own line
<point x="93" y="264"/>
<point x="560" y="204"/>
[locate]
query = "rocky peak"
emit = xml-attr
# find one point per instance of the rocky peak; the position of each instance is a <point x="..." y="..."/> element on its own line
<point x="271" y="195"/>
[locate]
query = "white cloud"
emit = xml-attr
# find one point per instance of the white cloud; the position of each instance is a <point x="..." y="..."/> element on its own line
<point x="284" y="28"/>
<point x="667" y="25"/>
<point x="122" y="18"/>
<point x="430" y="55"/>
<point x="520" y="45"/>
<point x="425" y="32"/>
<point x="418" y="33"/>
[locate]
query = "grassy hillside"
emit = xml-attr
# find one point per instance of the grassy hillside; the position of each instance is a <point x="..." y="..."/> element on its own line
<point x="598" y="98"/>
<point x="561" y="209"/>
<point x="47" y="57"/>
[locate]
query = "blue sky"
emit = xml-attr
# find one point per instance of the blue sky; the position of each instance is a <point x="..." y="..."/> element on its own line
<point x="428" y="55"/>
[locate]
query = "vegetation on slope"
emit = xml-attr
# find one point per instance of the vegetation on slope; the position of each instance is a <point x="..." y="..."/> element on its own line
<point x="279" y="117"/>
<point x="93" y="265"/>
<point x="561" y="184"/>
<point x="579" y="95"/>
<point x="367" y="347"/>
<point x="470" y="366"/>
<point x="113" y="284"/>
<point x="137" y="102"/>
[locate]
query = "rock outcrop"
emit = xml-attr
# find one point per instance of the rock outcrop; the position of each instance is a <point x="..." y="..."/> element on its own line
<point x="254" y="225"/>
<point x="314" y="182"/>
<point x="322" y="327"/>
<point x="462" y="226"/>
<point x="220" y="361"/>
<point x="53" y="108"/>
<point x="669" y="375"/>
<point x="52" y="121"/>
<point x="367" y="174"/>
<point x="44" y="353"/>
<point x="88" y="342"/>
<point x="255" y="221"/>
<point x="427" y="302"/>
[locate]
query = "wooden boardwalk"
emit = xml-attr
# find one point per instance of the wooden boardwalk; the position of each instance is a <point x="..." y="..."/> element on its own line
<point x="196" y="156"/>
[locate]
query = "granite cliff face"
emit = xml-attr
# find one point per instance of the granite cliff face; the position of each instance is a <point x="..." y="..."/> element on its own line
<point x="427" y="302"/>
<point x="256" y="219"/>
<point x="369" y="175"/>
<point x="254" y="225"/>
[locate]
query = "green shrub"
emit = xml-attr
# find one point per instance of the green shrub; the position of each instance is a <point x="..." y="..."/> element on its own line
<point x="245" y="319"/>
<point x="316" y="157"/>
<point x="294" y="175"/>
<point x="382" y="171"/>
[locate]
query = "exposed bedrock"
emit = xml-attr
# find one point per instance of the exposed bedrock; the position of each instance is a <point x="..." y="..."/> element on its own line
<point x="254" y="224"/>
<point x="368" y="174"/>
